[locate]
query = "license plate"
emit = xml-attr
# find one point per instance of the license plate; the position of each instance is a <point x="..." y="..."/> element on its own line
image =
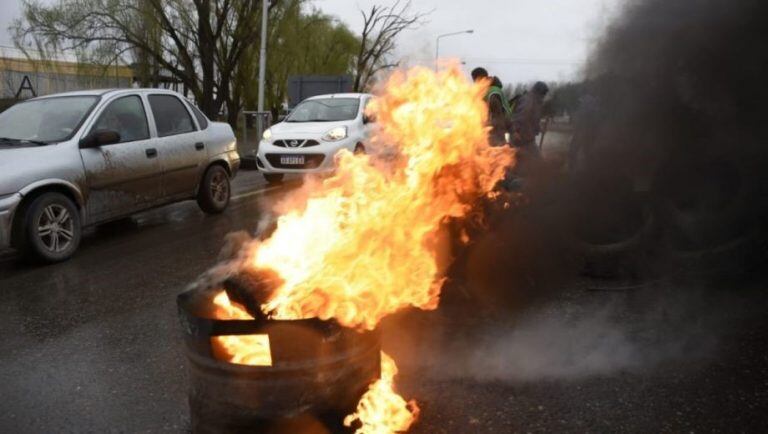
<point x="292" y="159"/>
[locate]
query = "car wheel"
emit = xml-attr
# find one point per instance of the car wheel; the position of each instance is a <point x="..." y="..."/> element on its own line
<point x="50" y="228"/>
<point x="214" y="191"/>
<point x="359" y="149"/>
<point x="274" y="178"/>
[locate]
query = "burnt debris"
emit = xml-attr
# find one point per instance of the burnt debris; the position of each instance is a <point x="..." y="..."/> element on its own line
<point x="252" y="288"/>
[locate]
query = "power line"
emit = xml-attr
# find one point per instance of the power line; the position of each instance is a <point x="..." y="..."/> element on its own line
<point x="510" y="60"/>
<point x="521" y="61"/>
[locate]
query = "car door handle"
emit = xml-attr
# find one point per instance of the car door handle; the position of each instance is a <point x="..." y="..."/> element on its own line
<point x="199" y="146"/>
<point x="151" y="152"/>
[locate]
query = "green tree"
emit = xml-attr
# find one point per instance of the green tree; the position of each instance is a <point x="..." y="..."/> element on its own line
<point x="306" y="43"/>
<point x="300" y="41"/>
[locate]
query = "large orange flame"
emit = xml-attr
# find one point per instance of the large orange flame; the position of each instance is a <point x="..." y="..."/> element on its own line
<point x="364" y="242"/>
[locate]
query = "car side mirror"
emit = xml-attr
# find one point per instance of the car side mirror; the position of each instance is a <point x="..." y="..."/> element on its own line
<point x="100" y="138"/>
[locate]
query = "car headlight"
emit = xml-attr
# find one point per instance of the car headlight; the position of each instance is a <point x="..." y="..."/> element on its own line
<point x="335" y="134"/>
<point x="267" y="134"/>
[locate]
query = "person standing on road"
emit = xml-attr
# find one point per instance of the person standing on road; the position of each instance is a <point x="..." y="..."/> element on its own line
<point x="526" y="120"/>
<point x="498" y="108"/>
<point x="586" y="123"/>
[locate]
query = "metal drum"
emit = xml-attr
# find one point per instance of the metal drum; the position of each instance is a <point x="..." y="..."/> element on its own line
<point x="318" y="374"/>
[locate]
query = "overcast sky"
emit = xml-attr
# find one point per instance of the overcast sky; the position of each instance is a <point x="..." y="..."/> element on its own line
<point x="9" y="10"/>
<point x="518" y="40"/>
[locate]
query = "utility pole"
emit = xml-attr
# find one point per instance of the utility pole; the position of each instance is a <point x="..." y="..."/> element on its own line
<point x="263" y="53"/>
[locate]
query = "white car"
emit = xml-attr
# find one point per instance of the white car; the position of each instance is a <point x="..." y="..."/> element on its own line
<point x="307" y="140"/>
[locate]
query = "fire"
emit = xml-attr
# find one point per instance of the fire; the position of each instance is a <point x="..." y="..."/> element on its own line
<point x="365" y="242"/>
<point x="381" y="410"/>
<point x="241" y="349"/>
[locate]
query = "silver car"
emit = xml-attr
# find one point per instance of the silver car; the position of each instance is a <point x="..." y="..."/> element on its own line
<point x="77" y="159"/>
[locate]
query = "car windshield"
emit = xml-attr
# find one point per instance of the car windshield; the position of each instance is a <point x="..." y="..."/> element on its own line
<point x="45" y="120"/>
<point x="325" y="110"/>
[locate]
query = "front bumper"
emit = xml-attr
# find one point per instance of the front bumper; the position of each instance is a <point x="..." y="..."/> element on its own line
<point x="8" y="206"/>
<point x="234" y="162"/>
<point x="318" y="158"/>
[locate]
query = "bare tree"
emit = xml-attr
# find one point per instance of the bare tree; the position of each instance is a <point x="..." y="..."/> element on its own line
<point x="381" y="26"/>
<point x="199" y="42"/>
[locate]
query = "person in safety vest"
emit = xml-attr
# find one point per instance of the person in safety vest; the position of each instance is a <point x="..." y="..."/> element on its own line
<point x="499" y="111"/>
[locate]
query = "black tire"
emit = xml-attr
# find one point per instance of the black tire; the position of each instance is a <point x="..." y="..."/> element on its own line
<point x="214" y="191"/>
<point x="50" y="228"/>
<point x="274" y="178"/>
<point x="615" y="233"/>
<point x="359" y="149"/>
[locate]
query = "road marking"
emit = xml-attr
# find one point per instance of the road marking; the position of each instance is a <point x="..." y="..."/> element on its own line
<point x="287" y="185"/>
<point x="254" y="193"/>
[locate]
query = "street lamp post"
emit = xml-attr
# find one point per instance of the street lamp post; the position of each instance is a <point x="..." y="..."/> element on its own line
<point x="262" y="123"/>
<point x="263" y="54"/>
<point x="437" y="42"/>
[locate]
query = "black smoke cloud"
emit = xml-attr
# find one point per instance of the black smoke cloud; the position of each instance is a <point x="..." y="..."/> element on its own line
<point x="675" y="146"/>
<point x="682" y="76"/>
<point x="673" y="193"/>
<point x="682" y="89"/>
<point x="672" y="189"/>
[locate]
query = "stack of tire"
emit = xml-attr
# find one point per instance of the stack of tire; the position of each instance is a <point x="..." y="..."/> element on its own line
<point x="610" y="226"/>
<point x="710" y="209"/>
<point x="700" y="219"/>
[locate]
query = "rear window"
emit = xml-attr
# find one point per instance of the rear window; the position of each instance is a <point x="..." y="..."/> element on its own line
<point x="171" y="117"/>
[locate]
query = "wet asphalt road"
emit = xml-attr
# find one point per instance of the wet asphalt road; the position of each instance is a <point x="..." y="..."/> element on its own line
<point x="94" y="345"/>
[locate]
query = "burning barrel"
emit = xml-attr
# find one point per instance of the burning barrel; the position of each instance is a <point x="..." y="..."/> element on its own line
<point x="288" y="376"/>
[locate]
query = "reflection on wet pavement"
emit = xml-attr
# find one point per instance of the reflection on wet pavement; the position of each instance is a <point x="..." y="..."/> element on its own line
<point x="93" y="343"/>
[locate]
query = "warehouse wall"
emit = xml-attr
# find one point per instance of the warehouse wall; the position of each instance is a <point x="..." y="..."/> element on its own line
<point x="45" y="83"/>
